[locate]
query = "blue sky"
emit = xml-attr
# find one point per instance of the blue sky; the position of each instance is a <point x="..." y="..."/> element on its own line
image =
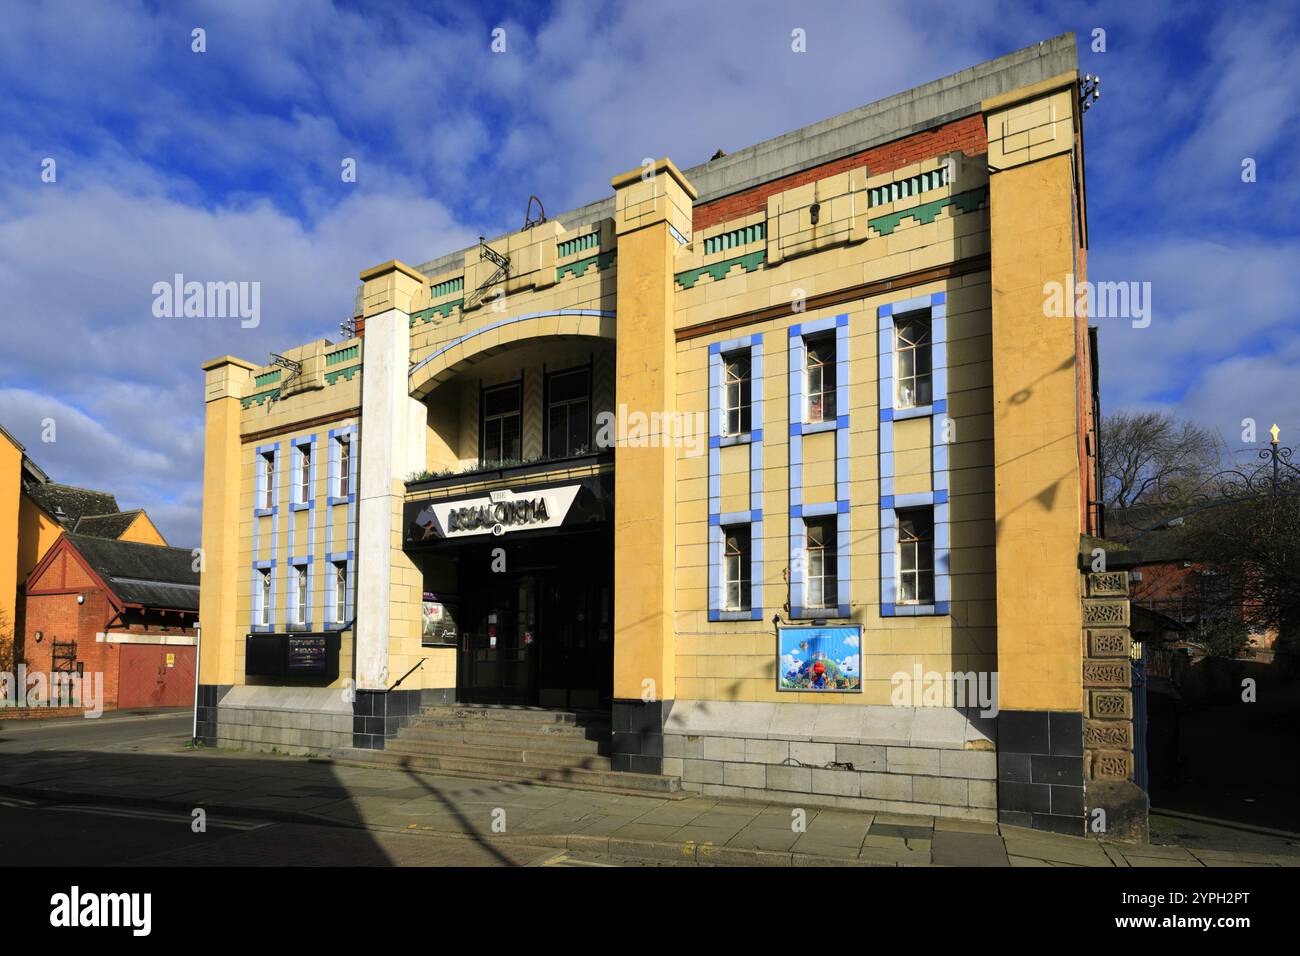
<point x="226" y="165"/>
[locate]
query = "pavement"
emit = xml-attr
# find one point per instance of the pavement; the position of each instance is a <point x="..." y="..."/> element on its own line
<point x="145" y="763"/>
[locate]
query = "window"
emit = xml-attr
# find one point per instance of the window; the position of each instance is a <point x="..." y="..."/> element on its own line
<point x="736" y="415"/>
<point x="735" y="568"/>
<point x="819" y="378"/>
<point x="820" y="588"/>
<point x="340" y="591"/>
<point x="568" y="413"/>
<point x="916" y="556"/>
<point x="268" y="479"/>
<point x="303" y="479"/>
<point x="264" y="597"/>
<point x="300" y="594"/>
<point x="501" y="423"/>
<point x="345" y="465"/>
<point x="912" y="345"/>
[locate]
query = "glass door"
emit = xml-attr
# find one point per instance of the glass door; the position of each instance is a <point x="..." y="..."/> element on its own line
<point x="499" y="650"/>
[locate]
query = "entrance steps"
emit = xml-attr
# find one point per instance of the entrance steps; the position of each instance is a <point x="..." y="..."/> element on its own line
<point x="552" y="747"/>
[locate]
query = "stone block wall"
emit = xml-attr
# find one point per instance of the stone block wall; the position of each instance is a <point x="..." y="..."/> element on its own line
<point x="930" y="761"/>
<point x="1116" y="806"/>
<point x="286" y="720"/>
<point x="1107" y="678"/>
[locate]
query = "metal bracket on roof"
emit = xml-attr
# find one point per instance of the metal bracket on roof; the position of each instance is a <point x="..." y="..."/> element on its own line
<point x="529" y="221"/>
<point x="293" y="368"/>
<point x="503" y="269"/>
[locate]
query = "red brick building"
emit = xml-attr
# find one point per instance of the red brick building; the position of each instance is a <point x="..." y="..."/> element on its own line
<point x="124" y="609"/>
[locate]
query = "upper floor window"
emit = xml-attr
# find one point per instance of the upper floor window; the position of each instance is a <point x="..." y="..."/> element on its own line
<point x="819" y="378"/>
<point x="736" y="415"/>
<point x="502" y="423"/>
<point x="267" y="465"/>
<point x="302" y="473"/>
<point x="912" y="347"/>
<point x="340" y="591"/>
<point x="916" y="556"/>
<point x="568" y="413"/>
<point x="300" y="594"/>
<point x="345" y="466"/>
<point x="735" y="568"/>
<point x="264" y="597"/>
<point x="820" y="582"/>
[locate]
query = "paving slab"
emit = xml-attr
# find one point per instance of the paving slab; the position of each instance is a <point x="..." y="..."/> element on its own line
<point x="963" y="848"/>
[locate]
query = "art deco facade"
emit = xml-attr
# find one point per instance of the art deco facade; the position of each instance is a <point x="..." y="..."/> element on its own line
<point x="613" y="462"/>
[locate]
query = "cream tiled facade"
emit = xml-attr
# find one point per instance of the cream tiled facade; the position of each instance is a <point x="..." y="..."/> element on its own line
<point x="834" y="234"/>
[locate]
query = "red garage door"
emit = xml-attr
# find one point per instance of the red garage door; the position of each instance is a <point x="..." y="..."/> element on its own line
<point x="153" y="676"/>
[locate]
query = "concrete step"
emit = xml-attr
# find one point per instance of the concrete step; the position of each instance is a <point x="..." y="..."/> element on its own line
<point x="557" y="759"/>
<point x="471" y="733"/>
<point x="613" y="780"/>
<point x="503" y="714"/>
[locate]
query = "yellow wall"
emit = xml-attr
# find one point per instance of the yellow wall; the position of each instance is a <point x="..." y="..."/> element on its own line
<point x="644" y="477"/>
<point x="143" y="530"/>
<point x="1035" y="413"/>
<point x="731" y="660"/>
<point x="11" y="464"/>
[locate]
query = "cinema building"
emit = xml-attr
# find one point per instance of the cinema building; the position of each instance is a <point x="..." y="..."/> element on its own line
<point x="695" y="478"/>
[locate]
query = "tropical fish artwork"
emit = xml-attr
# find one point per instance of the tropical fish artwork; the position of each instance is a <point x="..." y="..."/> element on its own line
<point x="819" y="659"/>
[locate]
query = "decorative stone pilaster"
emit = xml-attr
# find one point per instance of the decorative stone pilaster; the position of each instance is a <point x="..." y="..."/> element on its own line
<point x="1116" y="806"/>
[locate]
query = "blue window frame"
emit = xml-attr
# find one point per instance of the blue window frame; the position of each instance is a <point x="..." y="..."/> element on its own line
<point x="903" y="591"/>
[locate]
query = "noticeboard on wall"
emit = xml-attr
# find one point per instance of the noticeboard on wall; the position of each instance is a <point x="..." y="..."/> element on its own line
<point x="819" y="659"/>
<point x="438" y="623"/>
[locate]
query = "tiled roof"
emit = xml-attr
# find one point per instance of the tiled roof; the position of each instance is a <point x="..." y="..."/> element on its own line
<point x="74" y="502"/>
<point x="147" y="574"/>
<point x="105" y="526"/>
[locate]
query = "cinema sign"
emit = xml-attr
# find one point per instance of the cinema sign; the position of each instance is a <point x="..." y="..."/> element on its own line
<point x="497" y="513"/>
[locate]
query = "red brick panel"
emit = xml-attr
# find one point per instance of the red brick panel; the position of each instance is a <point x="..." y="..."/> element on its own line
<point x="966" y="134"/>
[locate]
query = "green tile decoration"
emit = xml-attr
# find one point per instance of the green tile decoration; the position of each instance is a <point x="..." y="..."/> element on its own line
<point x="441" y="309"/>
<point x="266" y="378"/>
<point x="447" y="287"/>
<point x="735" y="238"/>
<point x="577" y="244"/>
<point x="342" y="355"/>
<point x="579" y="266"/>
<point x="261" y="398"/>
<point x="912" y="186"/>
<point x="719" y="270"/>
<point x="926" y="212"/>
<point x="346" y="374"/>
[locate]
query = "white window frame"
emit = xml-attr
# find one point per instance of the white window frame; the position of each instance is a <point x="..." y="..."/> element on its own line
<point x="302" y="473"/>
<point x="742" y="409"/>
<point x="736" y="570"/>
<point x="264" y="591"/>
<point x="267" y="466"/>
<point x="913" y="568"/>
<point x="914" y="350"/>
<point x="340" y="574"/>
<point x="344" y="481"/>
<point x="826" y="370"/>
<point x="301" y="578"/>
<point x="816" y="578"/>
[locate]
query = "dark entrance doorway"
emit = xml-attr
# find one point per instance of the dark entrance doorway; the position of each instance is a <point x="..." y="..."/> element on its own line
<point x="525" y="577"/>
<point x="539" y="632"/>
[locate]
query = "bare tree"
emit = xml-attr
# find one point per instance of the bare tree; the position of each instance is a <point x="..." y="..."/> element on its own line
<point x="1253" y="546"/>
<point x="7" y="649"/>
<point x="1149" y="457"/>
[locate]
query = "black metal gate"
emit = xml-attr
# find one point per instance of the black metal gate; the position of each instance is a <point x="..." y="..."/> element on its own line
<point x="1140" y="766"/>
